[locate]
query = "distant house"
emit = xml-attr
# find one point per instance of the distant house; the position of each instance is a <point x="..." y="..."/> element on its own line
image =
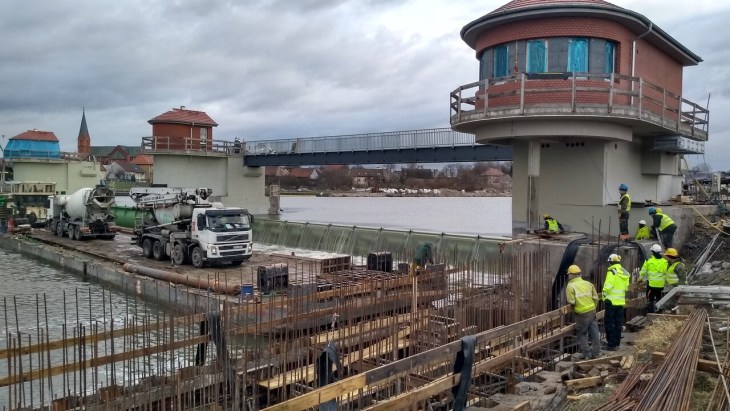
<point x="33" y="144"/>
<point x="492" y="175"/>
<point x="366" y="177"/>
<point x="107" y="154"/>
<point x="145" y="163"/>
<point x="124" y="171"/>
<point x="182" y="129"/>
<point x="276" y="171"/>
<point x="310" y="174"/>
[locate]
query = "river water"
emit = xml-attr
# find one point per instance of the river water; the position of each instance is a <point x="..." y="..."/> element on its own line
<point x="486" y="216"/>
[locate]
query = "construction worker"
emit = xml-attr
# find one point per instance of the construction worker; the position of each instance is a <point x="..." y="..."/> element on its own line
<point x="655" y="268"/>
<point x="582" y="295"/>
<point x="424" y="254"/>
<point x="614" y="298"/>
<point x="642" y="232"/>
<point x="676" y="270"/>
<point x="552" y="225"/>
<point x="624" y="206"/>
<point x="664" y="224"/>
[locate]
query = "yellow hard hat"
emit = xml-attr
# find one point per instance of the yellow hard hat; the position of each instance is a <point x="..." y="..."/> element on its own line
<point x="574" y="269"/>
<point x="671" y="252"/>
<point x="659" y="210"/>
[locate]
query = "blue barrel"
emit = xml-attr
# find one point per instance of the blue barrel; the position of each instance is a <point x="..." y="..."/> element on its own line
<point x="246" y="290"/>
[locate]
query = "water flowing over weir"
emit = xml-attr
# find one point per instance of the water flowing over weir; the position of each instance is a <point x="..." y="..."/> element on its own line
<point x="359" y="241"/>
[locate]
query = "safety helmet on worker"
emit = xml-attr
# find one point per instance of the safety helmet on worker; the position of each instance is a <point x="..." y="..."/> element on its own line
<point x="573" y="270"/>
<point x="659" y="210"/>
<point x="642" y="222"/>
<point x="546" y="216"/>
<point x="652" y="210"/>
<point x="614" y="258"/>
<point x="623" y="187"/>
<point x="671" y="252"/>
<point x="656" y="248"/>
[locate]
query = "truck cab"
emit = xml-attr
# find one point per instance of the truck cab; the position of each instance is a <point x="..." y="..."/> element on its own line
<point x="223" y="234"/>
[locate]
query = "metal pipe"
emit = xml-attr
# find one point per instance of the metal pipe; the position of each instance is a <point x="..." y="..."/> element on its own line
<point x="202" y="283"/>
<point x="633" y="56"/>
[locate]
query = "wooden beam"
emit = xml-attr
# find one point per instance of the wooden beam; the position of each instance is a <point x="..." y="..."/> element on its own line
<point x="522" y="406"/>
<point x="702" y="365"/>
<point x="603" y="360"/>
<point x="587" y="382"/>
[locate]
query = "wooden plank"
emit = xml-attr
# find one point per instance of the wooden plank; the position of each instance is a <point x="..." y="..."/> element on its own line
<point x="702" y="365"/>
<point x="522" y="406"/>
<point x="628" y="362"/>
<point x="362" y="327"/>
<point x="530" y="361"/>
<point x="587" y="382"/>
<point x="603" y="360"/>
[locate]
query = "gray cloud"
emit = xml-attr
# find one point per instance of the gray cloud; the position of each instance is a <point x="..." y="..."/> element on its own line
<point x="269" y="68"/>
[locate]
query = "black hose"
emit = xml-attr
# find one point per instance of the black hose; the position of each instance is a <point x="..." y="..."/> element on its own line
<point x="561" y="277"/>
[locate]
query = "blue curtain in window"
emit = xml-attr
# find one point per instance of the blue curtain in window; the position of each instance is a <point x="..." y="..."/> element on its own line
<point x="578" y="55"/>
<point x="609" y="58"/>
<point x="501" y="61"/>
<point x="536" y="56"/>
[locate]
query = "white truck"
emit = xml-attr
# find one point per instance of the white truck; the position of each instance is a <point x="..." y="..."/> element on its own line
<point x="182" y="224"/>
<point x="83" y="214"/>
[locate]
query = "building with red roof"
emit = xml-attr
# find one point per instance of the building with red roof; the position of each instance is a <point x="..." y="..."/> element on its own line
<point x="589" y="96"/>
<point x="33" y="144"/>
<point x="182" y="129"/>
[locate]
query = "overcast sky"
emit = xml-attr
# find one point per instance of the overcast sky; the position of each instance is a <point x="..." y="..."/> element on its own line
<point x="281" y="68"/>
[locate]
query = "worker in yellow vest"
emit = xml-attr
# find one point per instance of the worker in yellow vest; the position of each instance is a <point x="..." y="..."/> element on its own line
<point x="552" y="225"/>
<point x="624" y="206"/>
<point x="642" y="232"/>
<point x="664" y="224"/>
<point x="614" y="298"/>
<point x="655" y="270"/>
<point x="676" y="274"/>
<point x="582" y="295"/>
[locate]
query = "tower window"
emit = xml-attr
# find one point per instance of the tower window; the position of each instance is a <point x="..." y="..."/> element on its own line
<point x="578" y="55"/>
<point x="536" y="56"/>
<point x="609" y="57"/>
<point x="501" y="61"/>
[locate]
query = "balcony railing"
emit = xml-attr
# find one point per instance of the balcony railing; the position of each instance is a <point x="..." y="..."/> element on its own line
<point x="187" y="145"/>
<point x="393" y="140"/>
<point x="584" y="94"/>
<point x="43" y="155"/>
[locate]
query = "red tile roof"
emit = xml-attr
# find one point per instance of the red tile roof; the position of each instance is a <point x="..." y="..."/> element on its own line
<point x="524" y="4"/>
<point x="184" y="116"/>
<point x="142" y="160"/>
<point x="36" y="135"/>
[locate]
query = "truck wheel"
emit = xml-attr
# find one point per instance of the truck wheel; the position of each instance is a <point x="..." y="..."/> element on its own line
<point x="196" y="257"/>
<point x="59" y="229"/>
<point x="76" y="233"/>
<point x="147" y="248"/>
<point x="157" y="250"/>
<point x="53" y="228"/>
<point x="178" y="254"/>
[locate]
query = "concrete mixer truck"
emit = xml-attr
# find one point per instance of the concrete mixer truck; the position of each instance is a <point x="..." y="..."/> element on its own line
<point x="183" y="225"/>
<point x="83" y="214"/>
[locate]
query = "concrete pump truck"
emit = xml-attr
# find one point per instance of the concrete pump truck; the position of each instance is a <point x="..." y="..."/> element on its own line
<point x="180" y="223"/>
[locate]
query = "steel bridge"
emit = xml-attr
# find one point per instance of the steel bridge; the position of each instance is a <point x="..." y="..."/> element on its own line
<point x="436" y="145"/>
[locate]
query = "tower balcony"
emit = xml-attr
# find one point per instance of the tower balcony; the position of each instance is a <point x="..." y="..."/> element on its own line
<point x="191" y="146"/>
<point x="648" y="109"/>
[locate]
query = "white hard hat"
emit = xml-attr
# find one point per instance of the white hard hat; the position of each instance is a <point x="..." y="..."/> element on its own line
<point x="614" y="258"/>
<point x="642" y="222"/>
<point x="656" y="248"/>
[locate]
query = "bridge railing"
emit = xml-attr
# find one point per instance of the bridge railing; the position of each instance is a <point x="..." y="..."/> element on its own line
<point x="611" y="95"/>
<point x="394" y="140"/>
<point x="191" y="145"/>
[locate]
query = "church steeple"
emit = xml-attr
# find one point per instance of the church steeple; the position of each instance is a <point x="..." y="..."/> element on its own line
<point x="84" y="139"/>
